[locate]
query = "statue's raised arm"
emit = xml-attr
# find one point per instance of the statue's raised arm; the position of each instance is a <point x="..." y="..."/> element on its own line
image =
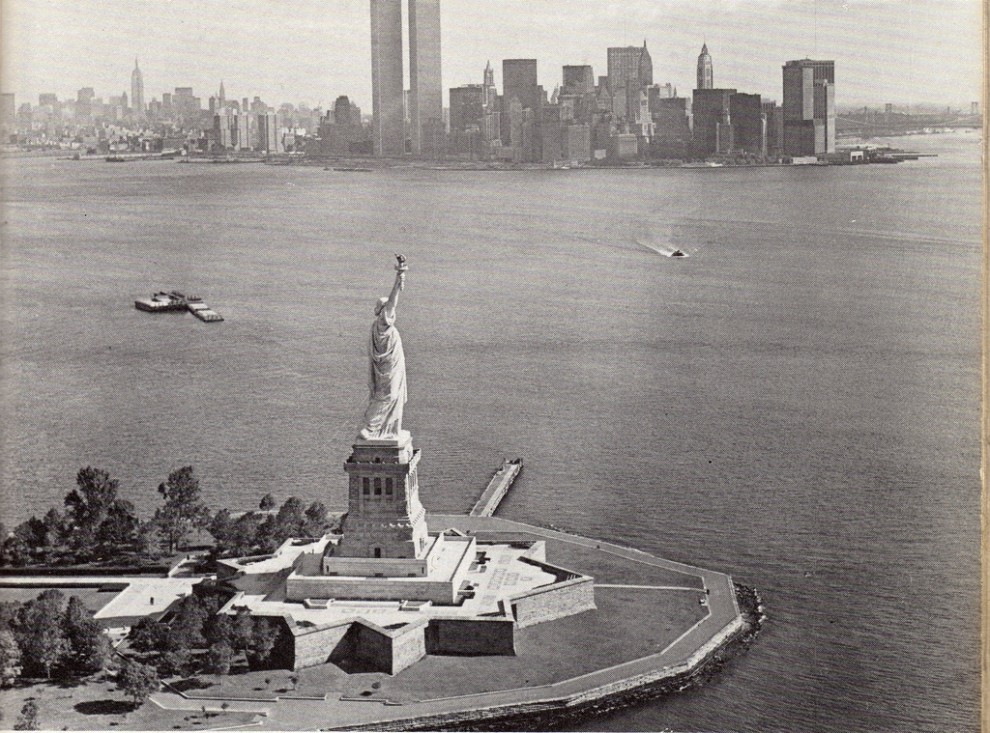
<point x="387" y="373"/>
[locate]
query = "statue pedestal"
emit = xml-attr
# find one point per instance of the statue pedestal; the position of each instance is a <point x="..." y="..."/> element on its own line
<point x="384" y="532"/>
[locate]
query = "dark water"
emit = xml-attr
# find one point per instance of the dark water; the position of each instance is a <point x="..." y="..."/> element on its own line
<point x="795" y="403"/>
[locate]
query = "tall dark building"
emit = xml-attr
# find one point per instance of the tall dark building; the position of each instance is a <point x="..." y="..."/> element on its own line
<point x="425" y="86"/>
<point x="748" y="124"/>
<point x="706" y="76"/>
<point x="386" y="77"/>
<point x="137" y="90"/>
<point x="630" y="68"/>
<point x="712" y="121"/>
<point x="578" y="80"/>
<point x="519" y="81"/>
<point x="809" y="107"/>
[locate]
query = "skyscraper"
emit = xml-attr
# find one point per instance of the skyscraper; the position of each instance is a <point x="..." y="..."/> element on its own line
<point x="425" y="86"/>
<point x="809" y="107"/>
<point x="386" y="77"/>
<point x="519" y="81"/>
<point x="137" y="90"/>
<point x="630" y="68"/>
<point x="629" y="64"/>
<point x="706" y="77"/>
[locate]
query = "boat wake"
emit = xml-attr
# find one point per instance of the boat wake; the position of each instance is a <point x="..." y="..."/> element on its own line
<point x="661" y="249"/>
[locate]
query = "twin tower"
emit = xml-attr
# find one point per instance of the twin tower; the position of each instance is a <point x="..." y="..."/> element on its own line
<point x="425" y="105"/>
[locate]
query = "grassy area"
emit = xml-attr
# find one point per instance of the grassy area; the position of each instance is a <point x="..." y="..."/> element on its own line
<point x="96" y="704"/>
<point x="629" y="624"/>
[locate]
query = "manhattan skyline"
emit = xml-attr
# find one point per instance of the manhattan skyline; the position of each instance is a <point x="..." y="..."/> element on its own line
<point x="314" y="50"/>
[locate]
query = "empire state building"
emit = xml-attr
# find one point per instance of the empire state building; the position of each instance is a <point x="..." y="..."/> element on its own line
<point x="137" y="90"/>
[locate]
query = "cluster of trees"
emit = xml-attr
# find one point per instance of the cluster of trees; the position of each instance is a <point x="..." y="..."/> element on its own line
<point x="50" y="637"/>
<point x="199" y="640"/>
<point x="97" y="524"/>
<point x="262" y="532"/>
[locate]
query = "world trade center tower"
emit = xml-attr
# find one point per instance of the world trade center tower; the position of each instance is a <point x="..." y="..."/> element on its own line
<point x="386" y="77"/>
<point x="425" y="86"/>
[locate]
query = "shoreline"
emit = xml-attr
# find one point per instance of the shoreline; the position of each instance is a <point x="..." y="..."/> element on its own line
<point x="552" y="713"/>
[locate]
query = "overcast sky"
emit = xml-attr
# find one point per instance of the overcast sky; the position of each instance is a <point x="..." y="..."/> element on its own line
<point x="900" y="51"/>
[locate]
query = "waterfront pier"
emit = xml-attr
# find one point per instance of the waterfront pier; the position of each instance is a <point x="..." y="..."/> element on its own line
<point x="497" y="488"/>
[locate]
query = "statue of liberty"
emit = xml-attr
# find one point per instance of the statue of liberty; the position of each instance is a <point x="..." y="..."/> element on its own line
<point x="387" y="375"/>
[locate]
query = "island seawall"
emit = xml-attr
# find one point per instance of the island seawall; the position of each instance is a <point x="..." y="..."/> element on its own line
<point x="552" y="711"/>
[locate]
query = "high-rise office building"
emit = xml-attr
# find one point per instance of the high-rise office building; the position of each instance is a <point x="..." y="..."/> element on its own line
<point x="578" y="80"/>
<point x="425" y="85"/>
<point x="137" y="90"/>
<point x="809" y="107"/>
<point x="269" y="135"/>
<point x="629" y="64"/>
<point x="630" y="68"/>
<point x="8" y="112"/>
<point x="713" y="134"/>
<point x="386" y="77"/>
<point x="519" y="81"/>
<point x="749" y="124"/>
<point x="706" y="76"/>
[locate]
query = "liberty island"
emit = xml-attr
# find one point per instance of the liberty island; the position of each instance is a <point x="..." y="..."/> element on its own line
<point x="462" y="599"/>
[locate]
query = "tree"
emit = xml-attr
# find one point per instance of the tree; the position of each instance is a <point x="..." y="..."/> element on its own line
<point x="138" y="680"/>
<point x="15" y="552"/>
<point x="184" y="510"/>
<point x="10" y="658"/>
<point x="40" y="633"/>
<point x="174" y="662"/>
<point x="317" y="521"/>
<point x="148" y="635"/>
<point x="28" y="719"/>
<point x="186" y="630"/>
<point x="267" y="503"/>
<point x="289" y="520"/>
<point x="87" y="505"/>
<point x="219" y="658"/>
<point x="263" y="635"/>
<point x="243" y="630"/>
<point x="121" y="526"/>
<point x="219" y="629"/>
<point x="89" y="646"/>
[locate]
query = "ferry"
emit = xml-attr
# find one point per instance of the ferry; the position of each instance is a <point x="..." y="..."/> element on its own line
<point x="162" y="302"/>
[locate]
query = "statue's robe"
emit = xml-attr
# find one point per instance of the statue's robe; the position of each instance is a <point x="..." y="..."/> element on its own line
<point x="386" y="379"/>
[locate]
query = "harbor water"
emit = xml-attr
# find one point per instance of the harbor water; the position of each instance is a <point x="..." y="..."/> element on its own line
<point x="795" y="402"/>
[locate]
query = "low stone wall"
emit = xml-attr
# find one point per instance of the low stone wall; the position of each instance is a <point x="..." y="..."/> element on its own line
<point x="553" y="601"/>
<point x="471" y="637"/>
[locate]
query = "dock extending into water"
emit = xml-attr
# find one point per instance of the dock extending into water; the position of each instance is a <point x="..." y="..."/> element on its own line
<point x="497" y="488"/>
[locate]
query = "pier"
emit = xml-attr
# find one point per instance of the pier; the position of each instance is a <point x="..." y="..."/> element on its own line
<point x="497" y="488"/>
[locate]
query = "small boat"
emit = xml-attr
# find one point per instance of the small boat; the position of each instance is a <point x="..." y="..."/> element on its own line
<point x="677" y="253"/>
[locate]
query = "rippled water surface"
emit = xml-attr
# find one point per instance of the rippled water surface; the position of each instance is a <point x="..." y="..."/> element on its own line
<point x="795" y="403"/>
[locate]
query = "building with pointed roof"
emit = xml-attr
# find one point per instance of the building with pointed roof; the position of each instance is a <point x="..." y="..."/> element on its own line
<point x="706" y="77"/>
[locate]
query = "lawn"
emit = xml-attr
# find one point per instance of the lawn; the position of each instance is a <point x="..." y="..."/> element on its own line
<point x="96" y="704"/>
<point x="628" y="624"/>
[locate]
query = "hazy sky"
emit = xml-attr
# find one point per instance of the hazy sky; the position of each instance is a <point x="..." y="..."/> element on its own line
<point x="901" y="51"/>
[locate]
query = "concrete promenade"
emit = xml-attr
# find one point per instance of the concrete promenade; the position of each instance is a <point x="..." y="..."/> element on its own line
<point x="721" y="622"/>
